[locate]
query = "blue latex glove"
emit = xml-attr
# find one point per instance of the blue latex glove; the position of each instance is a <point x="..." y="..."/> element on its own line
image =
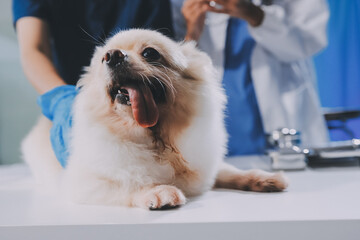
<point x="56" y="105"/>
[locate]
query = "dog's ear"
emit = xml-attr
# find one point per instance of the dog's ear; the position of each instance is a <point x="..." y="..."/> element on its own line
<point x="193" y="53"/>
<point x="199" y="64"/>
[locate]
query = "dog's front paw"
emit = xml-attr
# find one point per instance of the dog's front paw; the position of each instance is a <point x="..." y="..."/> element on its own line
<point x="267" y="182"/>
<point x="162" y="197"/>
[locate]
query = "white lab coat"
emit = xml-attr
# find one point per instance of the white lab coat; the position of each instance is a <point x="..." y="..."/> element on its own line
<point x="282" y="71"/>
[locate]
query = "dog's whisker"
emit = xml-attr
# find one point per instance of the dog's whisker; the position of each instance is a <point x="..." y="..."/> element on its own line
<point x="142" y="77"/>
<point x="167" y="81"/>
<point x="162" y="85"/>
<point x="168" y="69"/>
<point x="147" y="78"/>
<point x="163" y="66"/>
<point x="143" y="80"/>
<point x="92" y="37"/>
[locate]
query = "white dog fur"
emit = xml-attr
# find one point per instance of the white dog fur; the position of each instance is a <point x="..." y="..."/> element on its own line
<point x="116" y="161"/>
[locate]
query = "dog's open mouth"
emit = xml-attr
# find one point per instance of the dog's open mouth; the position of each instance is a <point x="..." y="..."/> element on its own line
<point x="143" y="100"/>
<point x="123" y="97"/>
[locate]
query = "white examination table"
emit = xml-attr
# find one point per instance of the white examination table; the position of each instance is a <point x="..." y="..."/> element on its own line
<point x="319" y="204"/>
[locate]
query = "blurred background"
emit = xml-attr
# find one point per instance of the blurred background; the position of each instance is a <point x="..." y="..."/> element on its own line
<point x="338" y="66"/>
<point x="18" y="109"/>
<point x="338" y="71"/>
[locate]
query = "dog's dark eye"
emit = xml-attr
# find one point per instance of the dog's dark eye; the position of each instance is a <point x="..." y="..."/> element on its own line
<point x="151" y="54"/>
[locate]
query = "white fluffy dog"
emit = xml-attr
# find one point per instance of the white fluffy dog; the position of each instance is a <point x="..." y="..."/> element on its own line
<point x="148" y="129"/>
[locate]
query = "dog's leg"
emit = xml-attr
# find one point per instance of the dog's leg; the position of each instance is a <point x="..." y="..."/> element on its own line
<point x="85" y="187"/>
<point x="251" y="180"/>
<point x="38" y="154"/>
<point x="158" y="197"/>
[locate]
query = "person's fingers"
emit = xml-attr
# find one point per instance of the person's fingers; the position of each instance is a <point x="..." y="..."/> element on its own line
<point x="194" y="15"/>
<point x="198" y="15"/>
<point x="188" y="6"/>
<point x="193" y="11"/>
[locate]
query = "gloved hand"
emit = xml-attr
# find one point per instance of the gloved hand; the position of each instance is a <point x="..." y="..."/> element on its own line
<point x="56" y="105"/>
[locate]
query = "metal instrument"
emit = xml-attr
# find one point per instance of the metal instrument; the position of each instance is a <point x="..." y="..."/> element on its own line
<point x="286" y="152"/>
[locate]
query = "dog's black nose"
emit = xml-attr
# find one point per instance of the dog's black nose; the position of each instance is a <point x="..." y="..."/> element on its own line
<point x="114" y="57"/>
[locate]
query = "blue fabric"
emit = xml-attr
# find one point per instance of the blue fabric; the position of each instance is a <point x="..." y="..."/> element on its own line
<point x="338" y="66"/>
<point x="243" y="121"/>
<point x="69" y="19"/>
<point x="56" y="105"/>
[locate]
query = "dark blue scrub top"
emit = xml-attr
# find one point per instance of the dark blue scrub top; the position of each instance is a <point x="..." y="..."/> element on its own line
<point x="69" y="19"/>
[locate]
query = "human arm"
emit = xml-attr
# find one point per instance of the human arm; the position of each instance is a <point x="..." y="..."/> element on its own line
<point x="194" y="12"/>
<point x="291" y="30"/>
<point x="35" y="53"/>
<point x="56" y="98"/>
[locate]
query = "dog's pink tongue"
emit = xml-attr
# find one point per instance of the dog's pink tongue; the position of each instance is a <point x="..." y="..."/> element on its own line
<point x="143" y="106"/>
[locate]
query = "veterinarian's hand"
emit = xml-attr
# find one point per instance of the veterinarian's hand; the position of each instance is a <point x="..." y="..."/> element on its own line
<point x="56" y="105"/>
<point x="194" y="12"/>
<point x="243" y="9"/>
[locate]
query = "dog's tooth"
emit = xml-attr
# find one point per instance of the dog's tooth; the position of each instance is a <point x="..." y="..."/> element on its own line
<point x="119" y="91"/>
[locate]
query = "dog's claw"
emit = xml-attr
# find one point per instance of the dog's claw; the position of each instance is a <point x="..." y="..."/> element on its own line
<point x="164" y="207"/>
